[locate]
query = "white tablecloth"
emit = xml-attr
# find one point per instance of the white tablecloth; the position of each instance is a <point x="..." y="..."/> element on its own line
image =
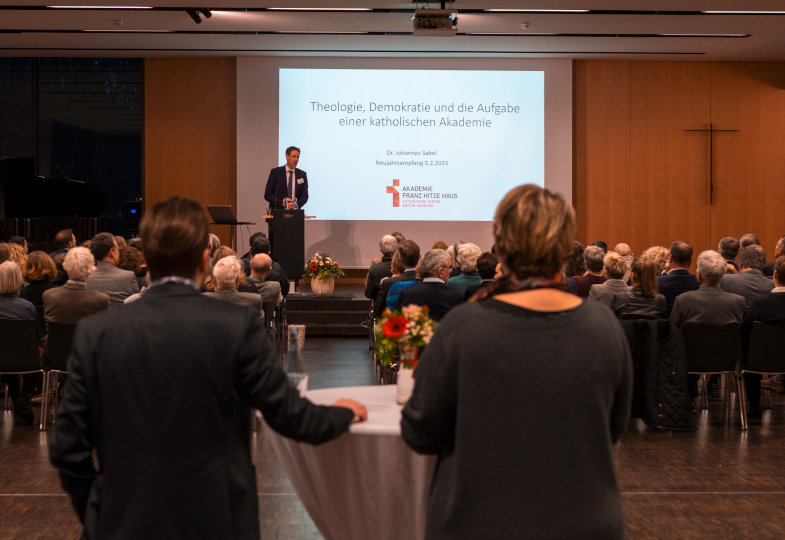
<point x="366" y="484"/>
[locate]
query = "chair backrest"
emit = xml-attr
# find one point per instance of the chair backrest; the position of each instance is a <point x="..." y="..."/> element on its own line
<point x="766" y="350"/>
<point x="58" y="345"/>
<point x="712" y="348"/>
<point x="19" y="350"/>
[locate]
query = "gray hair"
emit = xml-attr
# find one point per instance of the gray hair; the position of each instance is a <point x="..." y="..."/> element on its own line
<point x="79" y="263"/>
<point x="711" y="266"/>
<point x="388" y="244"/>
<point x="432" y="261"/>
<point x="10" y="278"/>
<point x="593" y="255"/>
<point x="227" y="270"/>
<point x="467" y="256"/>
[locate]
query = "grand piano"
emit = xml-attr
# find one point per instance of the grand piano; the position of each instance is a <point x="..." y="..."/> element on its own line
<point x="32" y="205"/>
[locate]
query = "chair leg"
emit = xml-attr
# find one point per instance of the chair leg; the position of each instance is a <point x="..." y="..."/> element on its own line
<point x="705" y="390"/>
<point x="725" y="393"/>
<point x="44" y="398"/>
<point x="766" y="398"/>
<point x="742" y="395"/>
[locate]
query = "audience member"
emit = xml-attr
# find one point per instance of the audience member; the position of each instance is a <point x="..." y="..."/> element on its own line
<point x="575" y="265"/>
<point x="602" y="245"/>
<point x="643" y="301"/>
<point x="615" y="269"/>
<point x="659" y="254"/>
<point x="748" y="240"/>
<point x="18" y="254"/>
<point x="269" y="291"/>
<point x="261" y="244"/>
<point x="227" y="272"/>
<point x="750" y="281"/>
<point x="61" y="276"/>
<point x="678" y="279"/>
<point x="729" y="249"/>
<point x="107" y="277"/>
<point x="14" y="307"/>
<point x="486" y="267"/>
<point x="74" y="301"/>
<point x="387" y="246"/>
<point x="161" y="391"/>
<point x="408" y="257"/>
<point x="452" y="251"/>
<point x="440" y="244"/>
<point x="625" y="251"/>
<point x="20" y="241"/>
<point x="5" y="252"/>
<point x="64" y="240"/>
<point x="466" y="256"/>
<point x="779" y="250"/>
<point x="39" y="271"/>
<point x="484" y="400"/>
<point x="433" y="291"/>
<point x="593" y="257"/>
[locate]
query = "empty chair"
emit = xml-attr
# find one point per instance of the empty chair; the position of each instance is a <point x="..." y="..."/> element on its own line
<point x="713" y="349"/>
<point x="56" y="351"/>
<point x="19" y="353"/>
<point x="765" y="356"/>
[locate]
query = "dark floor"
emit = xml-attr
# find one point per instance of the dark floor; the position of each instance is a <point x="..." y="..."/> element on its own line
<point x="717" y="482"/>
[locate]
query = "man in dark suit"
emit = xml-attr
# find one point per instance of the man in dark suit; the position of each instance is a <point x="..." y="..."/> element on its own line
<point x="409" y="255"/>
<point x="287" y="186"/>
<point x="678" y="279"/>
<point x="434" y="270"/>
<point x="162" y="390"/>
<point x="750" y="281"/>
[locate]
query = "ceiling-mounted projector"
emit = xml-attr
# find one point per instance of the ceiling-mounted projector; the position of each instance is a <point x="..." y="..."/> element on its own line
<point x="435" y="22"/>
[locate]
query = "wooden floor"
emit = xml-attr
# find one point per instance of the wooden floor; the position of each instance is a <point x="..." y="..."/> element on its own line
<point x="718" y="482"/>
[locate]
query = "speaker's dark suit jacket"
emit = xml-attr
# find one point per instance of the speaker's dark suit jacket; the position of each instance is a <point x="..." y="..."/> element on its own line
<point x="277" y="187"/>
<point x="161" y="389"/>
<point x="438" y="296"/>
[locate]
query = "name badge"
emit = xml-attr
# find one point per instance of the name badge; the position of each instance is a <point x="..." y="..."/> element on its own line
<point x="300" y="180"/>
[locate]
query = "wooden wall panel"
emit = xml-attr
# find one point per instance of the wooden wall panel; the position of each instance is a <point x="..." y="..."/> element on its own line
<point x="669" y="167"/>
<point x="749" y="166"/>
<point x="601" y="186"/>
<point x="190" y="131"/>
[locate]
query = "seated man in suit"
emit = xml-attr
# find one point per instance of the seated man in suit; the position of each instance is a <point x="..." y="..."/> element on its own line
<point x="161" y="391"/>
<point x="729" y="249"/>
<point x="270" y="291"/>
<point x="750" y="281"/>
<point x="261" y="244"/>
<point x="409" y="255"/>
<point x="74" y="301"/>
<point x="615" y="269"/>
<point x="387" y="245"/>
<point x="678" y="279"/>
<point x="64" y="240"/>
<point x="227" y="274"/>
<point x="116" y="282"/>
<point x="779" y="250"/>
<point x="767" y="307"/>
<point x="434" y="271"/>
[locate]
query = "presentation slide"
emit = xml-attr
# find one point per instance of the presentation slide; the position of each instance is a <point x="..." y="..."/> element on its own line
<point x="422" y="145"/>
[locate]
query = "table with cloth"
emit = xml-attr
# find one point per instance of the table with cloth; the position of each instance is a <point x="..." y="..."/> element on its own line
<point x="366" y="483"/>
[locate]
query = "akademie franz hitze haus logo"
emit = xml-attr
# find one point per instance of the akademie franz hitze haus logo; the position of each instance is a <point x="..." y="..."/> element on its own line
<point x="395" y="195"/>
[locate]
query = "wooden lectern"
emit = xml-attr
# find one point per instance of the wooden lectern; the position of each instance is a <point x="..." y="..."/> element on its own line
<point x="287" y="240"/>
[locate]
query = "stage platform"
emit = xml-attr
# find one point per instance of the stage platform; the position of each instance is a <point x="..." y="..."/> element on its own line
<point x="343" y="314"/>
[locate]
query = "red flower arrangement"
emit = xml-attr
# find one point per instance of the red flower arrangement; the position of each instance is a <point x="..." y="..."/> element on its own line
<point x="411" y="327"/>
<point x="322" y="266"/>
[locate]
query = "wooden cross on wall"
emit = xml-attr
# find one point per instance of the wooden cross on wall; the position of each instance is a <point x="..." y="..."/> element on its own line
<point x="711" y="131"/>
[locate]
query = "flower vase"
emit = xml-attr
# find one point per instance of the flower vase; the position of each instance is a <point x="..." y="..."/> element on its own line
<point x="407" y="361"/>
<point x="322" y="287"/>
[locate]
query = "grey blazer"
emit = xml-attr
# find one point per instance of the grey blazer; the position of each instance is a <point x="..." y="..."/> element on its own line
<point x="116" y="282"/>
<point x="749" y="284"/>
<point x="604" y="292"/>
<point x="708" y="305"/>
